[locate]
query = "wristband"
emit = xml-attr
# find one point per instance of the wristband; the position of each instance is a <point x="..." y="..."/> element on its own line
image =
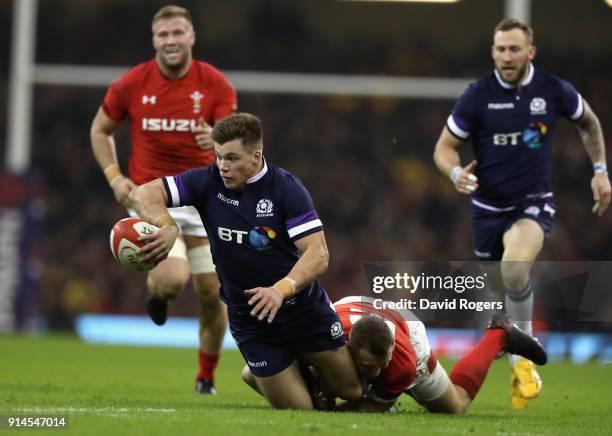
<point x="286" y="286"/>
<point x="115" y="180"/>
<point x="165" y="220"/>
<point x="600" y="168"/>
<point x="454" y="175"/>
<point x="109" y="167"/>
<point x="112" y="172"/>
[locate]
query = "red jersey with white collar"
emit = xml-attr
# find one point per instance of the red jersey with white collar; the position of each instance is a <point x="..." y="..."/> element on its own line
<point x="401" y="371"/>
<point x="163" y="114"/>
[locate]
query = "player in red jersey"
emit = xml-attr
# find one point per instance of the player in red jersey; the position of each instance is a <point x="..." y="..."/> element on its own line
<point x="393" y="355"/>
<point x="171" y="102"/>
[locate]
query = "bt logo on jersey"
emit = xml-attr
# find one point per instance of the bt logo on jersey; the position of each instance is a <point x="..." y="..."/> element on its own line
<point x="506" y="138"/>
<point x="229" y="235"/>
<point x="532" y="135"/>
<point x="260" y="238"/>
<point x="168" y="125"/>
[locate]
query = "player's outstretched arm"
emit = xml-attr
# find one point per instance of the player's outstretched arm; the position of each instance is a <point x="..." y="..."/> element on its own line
<point x="149" y="202"/>
<point x="103" y="145"/>
<point x="448" y="162"/>
<point x="593" y="140"/>
<point x="312" y="263"/>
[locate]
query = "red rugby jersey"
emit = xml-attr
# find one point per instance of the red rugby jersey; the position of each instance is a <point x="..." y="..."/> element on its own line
<point x="401" y="371"/>
<point x="163" y="114"/>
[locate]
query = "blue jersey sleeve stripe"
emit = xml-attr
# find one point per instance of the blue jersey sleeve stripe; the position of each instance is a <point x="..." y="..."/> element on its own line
<point x="302" y="228"/>
<point x="308" y="216"/>
<point x="579" y="109"/>
<point x="454" y="124"/>
<point x="172" y="191"/>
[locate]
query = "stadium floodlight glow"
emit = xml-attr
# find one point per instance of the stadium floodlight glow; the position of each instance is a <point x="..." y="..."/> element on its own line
<point x="413" y="1"/>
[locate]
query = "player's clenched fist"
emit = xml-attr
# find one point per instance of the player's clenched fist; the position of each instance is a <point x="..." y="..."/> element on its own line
<point x="203" y="134"/>
<point x="122" y="186"/>
<point x="464" y="179"/>
<point x="600" y="184"/>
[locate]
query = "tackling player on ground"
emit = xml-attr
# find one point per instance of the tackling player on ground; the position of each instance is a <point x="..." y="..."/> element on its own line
<point x="171" y="101"/>
<point x="393" y="355"/>
<point x="510" y="114"/>
<point x="269" y="247"/>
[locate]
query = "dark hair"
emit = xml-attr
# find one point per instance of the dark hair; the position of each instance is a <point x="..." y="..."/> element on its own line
<point x="513" y="23"/>
<point x="372" y="332"/>
<point x="171" y="11"/>
<point x="243" y="126"/>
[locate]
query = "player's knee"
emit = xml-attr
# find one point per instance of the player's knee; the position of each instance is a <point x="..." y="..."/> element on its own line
<point x="247" y="376"/>
<point x="164" y="288"/>
<point x="515" y="276"/>
<point x="206" y="286"/>
<point x="168" y="280"/>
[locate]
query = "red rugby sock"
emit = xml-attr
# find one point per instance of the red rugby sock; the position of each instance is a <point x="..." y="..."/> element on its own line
<point x="471" y="370"/>
<point x="208" y="363"/>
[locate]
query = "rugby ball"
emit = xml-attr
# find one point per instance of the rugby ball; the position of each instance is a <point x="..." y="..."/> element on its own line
<point x="124" y="242"/>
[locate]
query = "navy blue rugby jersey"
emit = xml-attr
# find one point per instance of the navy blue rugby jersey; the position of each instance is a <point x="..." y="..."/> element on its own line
<point x="511" y="130"/>
<point x="251" y="232"/>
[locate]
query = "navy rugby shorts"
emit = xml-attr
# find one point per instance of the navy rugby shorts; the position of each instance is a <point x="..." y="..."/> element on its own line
<point x="309" y="326"/>
<point x="489" y="223"/>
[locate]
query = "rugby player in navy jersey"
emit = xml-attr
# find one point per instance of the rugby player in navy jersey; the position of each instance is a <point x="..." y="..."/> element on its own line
<point x="510" y="114"/>
<point x="269" y="247"/>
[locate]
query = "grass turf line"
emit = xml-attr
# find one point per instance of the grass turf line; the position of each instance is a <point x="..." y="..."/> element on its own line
<point x="116" y="390"/>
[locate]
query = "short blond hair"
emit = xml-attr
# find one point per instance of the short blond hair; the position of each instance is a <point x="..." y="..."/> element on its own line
<point x="513" y="23"/>
<point x="171" y="11"/>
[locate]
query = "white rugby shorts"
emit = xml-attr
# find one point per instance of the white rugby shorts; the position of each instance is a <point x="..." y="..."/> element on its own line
<point x="430" y="381"/>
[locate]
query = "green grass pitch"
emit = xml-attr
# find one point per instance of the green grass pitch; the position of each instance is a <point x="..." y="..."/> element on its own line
<point x="114" y="390"/>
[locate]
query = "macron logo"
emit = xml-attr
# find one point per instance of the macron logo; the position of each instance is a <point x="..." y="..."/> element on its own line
<point x="501" y="106"/>
<point x="224" y="199"/>
<point x="146" y="99"/>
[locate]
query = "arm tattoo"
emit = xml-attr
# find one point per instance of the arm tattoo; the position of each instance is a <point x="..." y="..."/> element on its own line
<point x="592" y="138"/>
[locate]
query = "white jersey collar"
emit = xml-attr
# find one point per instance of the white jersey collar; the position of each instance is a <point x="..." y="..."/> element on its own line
<point x="525" y="82"/>
<point x="260" y="174"/>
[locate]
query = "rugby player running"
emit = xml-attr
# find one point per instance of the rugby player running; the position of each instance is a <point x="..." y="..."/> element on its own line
<point x="510" y="114"/>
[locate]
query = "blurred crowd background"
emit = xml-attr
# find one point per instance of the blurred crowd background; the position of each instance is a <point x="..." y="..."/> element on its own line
<point x="366" y="161"/>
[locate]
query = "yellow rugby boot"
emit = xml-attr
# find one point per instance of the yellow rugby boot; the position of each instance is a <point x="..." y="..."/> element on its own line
<point x="529" y="383"/>
<point x="517" y="401"/>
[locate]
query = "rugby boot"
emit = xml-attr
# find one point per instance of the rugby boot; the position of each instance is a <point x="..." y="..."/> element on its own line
<point x="518" y="342"/>
<point x="529" y="383"/>
<point x="205" y="387"/>
<point x="517" y="401"/>
<point x="157" y="308"/>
